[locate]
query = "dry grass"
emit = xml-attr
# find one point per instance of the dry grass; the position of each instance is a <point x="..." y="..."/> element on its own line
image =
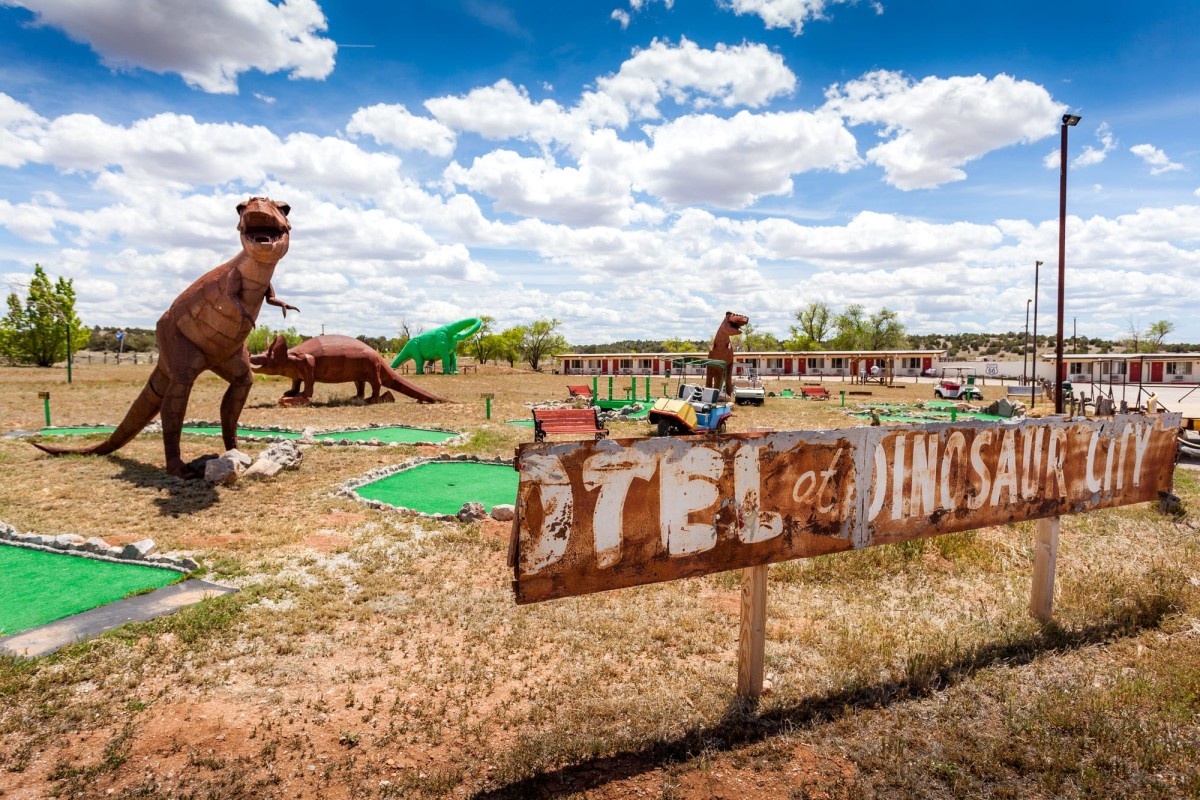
<point x="369" y="655"/>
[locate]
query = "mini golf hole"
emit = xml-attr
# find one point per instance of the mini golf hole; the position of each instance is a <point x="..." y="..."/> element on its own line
<point x="442" y="487"/>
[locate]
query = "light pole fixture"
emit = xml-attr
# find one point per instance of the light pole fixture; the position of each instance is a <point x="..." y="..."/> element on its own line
<point x="1025" y="349"/>
<point x="1036" y="266"/>
<point x="1068" y="121"/>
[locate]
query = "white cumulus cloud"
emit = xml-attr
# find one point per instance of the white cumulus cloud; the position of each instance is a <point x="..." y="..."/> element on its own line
<point x="395" y="126"/>
<point x="1157" y="159"/>
<point x="786" y="13"/>
<point x="207" y="43"/>
<point x="934" y="126"/>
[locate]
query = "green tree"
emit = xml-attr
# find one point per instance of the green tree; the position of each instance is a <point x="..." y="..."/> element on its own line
<point x="541" y="339"/>
<point x="482" y="345"/>
<point x="815" y="322"/>
<point x="754" y="340"/>
<point x="261" y="337"/>
<point x="858" y="331"/>
<point x="38" y="331"/>
<point x="508" y="344"/>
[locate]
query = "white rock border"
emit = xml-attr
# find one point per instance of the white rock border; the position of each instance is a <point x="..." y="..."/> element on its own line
<point x="140" y="553"/>
<point x="348" y="488"/>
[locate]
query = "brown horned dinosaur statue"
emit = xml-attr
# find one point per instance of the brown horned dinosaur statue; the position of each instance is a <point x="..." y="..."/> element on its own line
<point x="334" y="359"/>
<point x="722" y="350"/>
<point x="205" y="328"/>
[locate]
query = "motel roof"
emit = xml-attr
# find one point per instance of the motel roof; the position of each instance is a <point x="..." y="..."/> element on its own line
<point x="773" y="354"/>
<point x="1123" y="356"/>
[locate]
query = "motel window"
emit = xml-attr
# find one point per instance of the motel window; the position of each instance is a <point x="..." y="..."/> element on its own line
<point x="774" y="363"/>
<point x="645" y="363"/>
<point x="1115" y="367"/>
<point x="815" y="363"/>
<point x="911" y="363"/>
<point x="751" y="363"/>
<point x="1075" y="367"/>
<point x="625" y="363"/>
<point x="575" y="363"/>
<point x="1179" y="368"/>
<point x="837" y="363"/>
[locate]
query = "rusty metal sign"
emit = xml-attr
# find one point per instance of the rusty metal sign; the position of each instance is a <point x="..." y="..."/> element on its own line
<point x="593" y="516"/>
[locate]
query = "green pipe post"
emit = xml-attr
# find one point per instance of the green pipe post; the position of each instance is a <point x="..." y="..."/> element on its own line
<point x="610" y="379"/>
<point x="953" y="414"/>
<point x="594" y="396"/>
<point x="489" y="408"/>
<point x="46" y="398"/>
<point x="843" y="398"/>
<point x="647" y="388"/>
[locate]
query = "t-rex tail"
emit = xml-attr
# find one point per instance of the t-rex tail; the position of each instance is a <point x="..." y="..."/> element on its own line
<point x="392" y="380"/>
<point x="139" y="415"/>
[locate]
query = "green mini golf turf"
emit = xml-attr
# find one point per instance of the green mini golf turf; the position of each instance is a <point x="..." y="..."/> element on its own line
<point x="395" y="433"/>
<point x="441" y="487"/>
<point x="524" y="423"/>
<point x="37" y="587"/>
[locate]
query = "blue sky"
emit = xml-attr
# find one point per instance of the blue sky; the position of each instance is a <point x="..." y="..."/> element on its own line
<point x="633" y="168"/>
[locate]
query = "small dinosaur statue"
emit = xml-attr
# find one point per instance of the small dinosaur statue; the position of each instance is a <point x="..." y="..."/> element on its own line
<point x="439" y="344"/>
<point x="722" y="350"/>
<point x="334" y="359"/>
<point x="205" y="328"/>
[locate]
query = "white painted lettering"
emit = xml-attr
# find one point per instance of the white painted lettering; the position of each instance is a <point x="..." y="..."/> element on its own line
<point x="879" y="484"/>
<point x="687" y="485"/>
<point x="924" y="475"/>
<point x="612" y="472"/>
<point x="1093" y="481"/>
<point x="557" y="510"/>
<point x="754" y="524"/>
<point x="1054" y="461"/>
<point x="982" y="439"/>
<point x="1031" y="461"/>
<point x="1006" y="468"/>
<point x="899" y="472"/>
<point x="955" y="447"/>
<point x="1141" y="441"/>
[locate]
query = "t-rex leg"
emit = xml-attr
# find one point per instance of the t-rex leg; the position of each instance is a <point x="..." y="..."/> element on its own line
<point x="236" y="370"/>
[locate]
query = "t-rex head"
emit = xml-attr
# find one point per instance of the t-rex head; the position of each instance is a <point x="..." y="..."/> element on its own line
<point x="264" y="228"/>
<point x="735" y="321"/>
<point x="274" y="360"/>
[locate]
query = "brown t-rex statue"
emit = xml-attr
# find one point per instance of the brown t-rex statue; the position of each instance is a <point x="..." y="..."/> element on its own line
<point x="205" y="328"/>
<point x="334" y="359"/>
<point x="722" y="350"/>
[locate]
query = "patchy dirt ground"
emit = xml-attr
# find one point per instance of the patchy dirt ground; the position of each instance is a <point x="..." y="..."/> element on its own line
<point x="370" y="655"/>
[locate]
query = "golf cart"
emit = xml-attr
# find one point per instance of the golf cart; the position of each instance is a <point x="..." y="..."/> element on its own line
<point x="749" y="390"/>
<point x="694" y="408"/>
<point x="958" y="389"/>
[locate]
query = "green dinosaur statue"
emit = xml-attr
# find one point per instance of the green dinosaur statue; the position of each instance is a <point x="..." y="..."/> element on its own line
<point x="439" y="344"/>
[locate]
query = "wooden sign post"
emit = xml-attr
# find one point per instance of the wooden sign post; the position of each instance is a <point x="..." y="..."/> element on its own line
<point x="594" y="516"/>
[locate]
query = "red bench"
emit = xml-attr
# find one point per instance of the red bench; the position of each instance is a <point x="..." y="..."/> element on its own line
<point x="814" y="393"/>
<point x="579" y="391"/>
<point x="548" y="421"/>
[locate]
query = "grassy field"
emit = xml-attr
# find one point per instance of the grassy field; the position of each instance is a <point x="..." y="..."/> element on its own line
<point x="369" y="655"/>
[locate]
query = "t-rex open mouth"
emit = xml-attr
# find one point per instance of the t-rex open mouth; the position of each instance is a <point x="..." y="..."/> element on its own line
<point x="264" y="234"/>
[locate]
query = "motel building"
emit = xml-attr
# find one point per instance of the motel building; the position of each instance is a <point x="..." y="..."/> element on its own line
<point x="1126" y="368"/>
<point x="843" y="364"/>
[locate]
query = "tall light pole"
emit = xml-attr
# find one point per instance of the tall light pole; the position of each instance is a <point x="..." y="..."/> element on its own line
<point x="1068" y="121"/>
<point x="1025" y="349"/>
<point x="1036" y="266"/>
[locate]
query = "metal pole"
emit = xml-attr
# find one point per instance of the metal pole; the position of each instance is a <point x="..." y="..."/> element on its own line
<point x="1068" y="120"/>
<point x="1025" y="349"/>
<point x="1033" y="396"/>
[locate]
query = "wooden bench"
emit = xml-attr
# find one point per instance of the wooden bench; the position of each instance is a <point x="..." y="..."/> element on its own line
<point x="547" y="421"/>
<point x="814" y="393"/>
<point x="579" y="391"/>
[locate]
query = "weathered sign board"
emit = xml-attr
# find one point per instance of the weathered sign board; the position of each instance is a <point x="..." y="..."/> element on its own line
<point x="593" y="516"/>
